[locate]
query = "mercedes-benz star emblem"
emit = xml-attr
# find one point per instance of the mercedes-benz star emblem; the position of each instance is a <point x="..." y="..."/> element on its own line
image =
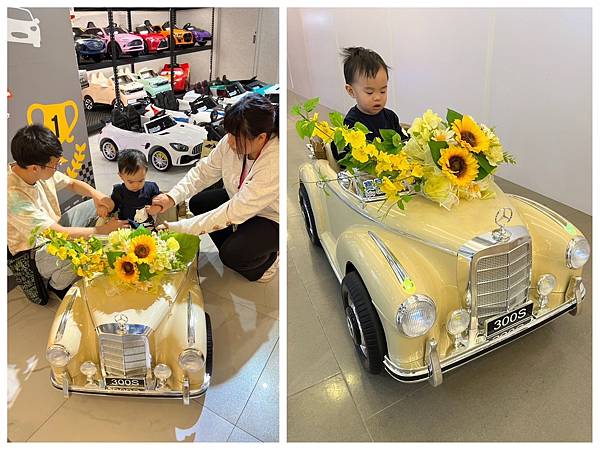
<point x="503" y="216"/>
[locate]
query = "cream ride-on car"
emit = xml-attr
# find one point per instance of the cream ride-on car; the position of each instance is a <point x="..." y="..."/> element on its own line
<point x="155" y="343"/>
<point x="101" y="89"/>
<point x="164" y="141"/>
<point x="426" y="290"/>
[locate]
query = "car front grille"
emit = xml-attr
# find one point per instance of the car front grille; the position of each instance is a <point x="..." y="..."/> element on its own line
<point x="135" y="43"/>
<point x="163" y="44"/>
<point x="124" y="356"/>
<point x="187" y="37"/>
<point x="197" y="149"/>
<point x="502" y="280"/>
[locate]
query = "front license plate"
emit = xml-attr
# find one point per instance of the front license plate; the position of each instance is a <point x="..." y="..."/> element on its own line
<point x="509" y="320"/>
<point x="126" y="383"/>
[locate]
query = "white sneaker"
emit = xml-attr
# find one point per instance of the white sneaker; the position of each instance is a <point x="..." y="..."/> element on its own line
<point x="270" y="272"/>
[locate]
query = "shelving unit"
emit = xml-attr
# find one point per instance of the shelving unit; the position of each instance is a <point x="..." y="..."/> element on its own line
<point x="95" y="119"/>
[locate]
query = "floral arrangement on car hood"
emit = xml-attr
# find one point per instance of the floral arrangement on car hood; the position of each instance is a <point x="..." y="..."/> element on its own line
<point x="131" y="257"/>
<point x="442" y="160"/>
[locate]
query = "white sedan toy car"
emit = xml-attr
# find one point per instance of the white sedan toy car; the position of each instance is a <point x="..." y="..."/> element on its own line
<point x="164" y="141"/>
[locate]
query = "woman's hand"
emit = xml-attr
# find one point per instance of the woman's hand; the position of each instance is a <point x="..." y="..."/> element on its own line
<point x="162" y="227"/>
<point x="112" y="225"/>
<point x="164" y="201"/>
<point x="104" y="205"/>
<point x="153" y="210"/>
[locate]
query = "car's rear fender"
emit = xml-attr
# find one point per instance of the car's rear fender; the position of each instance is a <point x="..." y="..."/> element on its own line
<point x="310" y="179"/>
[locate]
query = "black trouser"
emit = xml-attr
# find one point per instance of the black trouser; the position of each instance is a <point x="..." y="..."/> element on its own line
<point x="252" y="248"/>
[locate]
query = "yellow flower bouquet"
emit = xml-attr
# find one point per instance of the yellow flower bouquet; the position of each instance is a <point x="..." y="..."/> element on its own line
<point x="131" y="257"/>
<point x="444" y="160"/>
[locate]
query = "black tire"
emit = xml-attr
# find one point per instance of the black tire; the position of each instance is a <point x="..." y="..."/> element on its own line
<point x="363" y="323"/>
<point x="88" y="103"/>
<point x="209" y="345"/>
<point x="202" y="44"/>
<point x="309" y="218"/>
<point x="109" y="149"/>
<point x="160" y="159"/>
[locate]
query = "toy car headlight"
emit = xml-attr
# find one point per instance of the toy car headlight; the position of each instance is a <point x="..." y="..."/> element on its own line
<point x="546" y="284"/>
<point x="191" y="359"/>
<point x="578" y="252"/>
<point x="416" y="315"/>
<point x="179" y="147"/>
<point x="57" y="355"/>
<point x="458" y="321"/>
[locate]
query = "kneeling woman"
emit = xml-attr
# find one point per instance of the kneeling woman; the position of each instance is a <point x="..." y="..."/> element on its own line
<point x="243" y="218"/>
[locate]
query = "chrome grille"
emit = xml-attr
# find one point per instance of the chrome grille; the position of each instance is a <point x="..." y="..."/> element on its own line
<point x="124" y="355"/>
<point x="502" y="280"/>
<point x="197" y="149"/>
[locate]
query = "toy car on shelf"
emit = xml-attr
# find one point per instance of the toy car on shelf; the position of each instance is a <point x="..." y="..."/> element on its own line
<point x="229" y="94"/>
<point x="101" y="89"/>
<point x="164" y="141"/>
<point x="201" y="37"/>
<point x="425" y="290"/>
<point x="199" y="111"/>
<point x="181" y="76"/>
<point x="153" y="42"/>
<point x="155" y="344"/>
<point x="88" y="46"/>
<point x="181" y="38"/>
<point x="152" y="82"/>
<point x="127" y="43"/>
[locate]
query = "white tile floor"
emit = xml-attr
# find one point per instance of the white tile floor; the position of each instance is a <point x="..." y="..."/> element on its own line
<point x="535" y="389"/>
<point x="240" y="405"/>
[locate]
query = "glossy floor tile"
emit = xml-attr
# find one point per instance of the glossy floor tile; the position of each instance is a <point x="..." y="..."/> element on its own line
<point x="538" y="388"/>
<point x="241" y="405"/>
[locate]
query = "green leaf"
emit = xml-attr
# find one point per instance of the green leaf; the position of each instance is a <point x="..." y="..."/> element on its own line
<point x="188" y="246"/>
<point x="436" y="150"/>
<point x="139" y="231"/>
<point x="300" y="127"/>
<point x="400" y="204"/>
<point x="144" y="272"/>
<point x="311" y="104"/>
<point x="359" y="126"/>
<point x="396" y="140"/>
<point x="338" y="140"/>
<point x="112" y="257"/>
<point x="309" y="128"/>
<point x="347" y="161"/>
<point x="452" y="115"/>
<point x="295" y="111"/>
<point x="336" y="119"/>
<point x="387" y="135"/>
<point x="485" y="168"/>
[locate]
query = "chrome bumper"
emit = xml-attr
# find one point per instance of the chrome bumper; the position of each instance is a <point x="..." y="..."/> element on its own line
<point x="131" y="393"/>
<point x="434" y="367"/>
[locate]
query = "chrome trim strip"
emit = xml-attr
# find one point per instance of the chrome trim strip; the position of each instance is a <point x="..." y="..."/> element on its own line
<point x="457" y="360"/>
<point x="390" y="228"/>
<point x="397" y="268"/>
<point x="191" y="322"/>
<point x="155" y="394"/>
<point x="63" y="320"/>
<point x="544" y="209"/>
<point x="333" y="266"/>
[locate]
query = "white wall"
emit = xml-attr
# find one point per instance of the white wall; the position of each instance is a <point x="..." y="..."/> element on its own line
<point x="526" y="71"/>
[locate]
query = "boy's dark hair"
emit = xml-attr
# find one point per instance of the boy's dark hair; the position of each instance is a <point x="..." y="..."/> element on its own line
<point x="34" y="145"/>
<point x="252" y="115"/>
<point x="361" y="61"/>
<point x="130" y="161"/>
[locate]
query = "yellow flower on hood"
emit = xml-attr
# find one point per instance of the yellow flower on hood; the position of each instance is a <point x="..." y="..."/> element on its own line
<point x="172" y="244"/>
<point x="437" y="187"/>
<point x="431" y="119"/>
<point x="469" y="135"/>
<point x="384" y="163"/>
<point x="417" y="171"/>
<point x="459" y="165"/>
<point x="355" y="138"/>
<point x="324" y="131"/>
<point x="390" y="189"/>
<point x="360" y="154"/>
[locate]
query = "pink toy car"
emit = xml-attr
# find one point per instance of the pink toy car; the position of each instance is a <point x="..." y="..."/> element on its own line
<point x="127" y="43"/>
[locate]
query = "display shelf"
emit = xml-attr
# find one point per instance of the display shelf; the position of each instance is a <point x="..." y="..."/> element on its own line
<point x="107" y="63"/>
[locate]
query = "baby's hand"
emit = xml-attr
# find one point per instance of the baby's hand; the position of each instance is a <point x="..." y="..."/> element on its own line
<point x="153" y="210"/>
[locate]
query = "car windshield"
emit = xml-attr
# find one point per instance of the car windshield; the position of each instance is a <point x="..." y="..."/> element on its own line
<point x="96" y="31"/>
<point x="118" y="30"/>
<point x="142" y="30"/>
<point x="161" y="124"/>
<point x="124" y="79"/>
<point x="148" y="74"/>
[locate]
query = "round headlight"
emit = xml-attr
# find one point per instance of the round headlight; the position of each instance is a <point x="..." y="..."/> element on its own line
<point x="416" y="315"/>
<point x="546" y="284"/>
<point x="458" y="321"/>
<point x="57" y="355"/>
<point x="191" y="359"/>
<point x="162" y="371"/>
<point x="88" y="368"/>
<point x="578" y="252"/>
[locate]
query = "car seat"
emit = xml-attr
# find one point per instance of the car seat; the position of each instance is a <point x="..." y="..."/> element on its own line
<point x="133" y="119"/>
<point x="119" y="119"/>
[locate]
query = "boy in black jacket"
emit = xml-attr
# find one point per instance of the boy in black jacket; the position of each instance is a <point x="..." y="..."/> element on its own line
<point x="366" y="76"/>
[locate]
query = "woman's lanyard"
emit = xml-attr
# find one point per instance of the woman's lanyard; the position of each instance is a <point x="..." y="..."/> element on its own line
<point x="244" y="174"/>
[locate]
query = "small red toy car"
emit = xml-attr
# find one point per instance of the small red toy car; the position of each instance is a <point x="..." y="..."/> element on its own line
<point x="181" y="74"/>
<point x="153" y="42"/>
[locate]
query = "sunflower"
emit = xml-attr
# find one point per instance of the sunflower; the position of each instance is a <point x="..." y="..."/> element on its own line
<point x="469" y="135"/>
<point x="459" y="165"/>
<point x="142" y="249"/>
<point x="126" y="269"/>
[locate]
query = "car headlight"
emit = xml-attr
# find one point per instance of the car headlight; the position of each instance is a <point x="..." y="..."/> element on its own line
<point x="416" y="315"/>
<point x="546" y="284"/>
<point x="191" y="360"/>
<point x="458" y="321"/>
<point x="179" y="147"/>
<point x="578" y="252"/>
<point x="57" y="355"/>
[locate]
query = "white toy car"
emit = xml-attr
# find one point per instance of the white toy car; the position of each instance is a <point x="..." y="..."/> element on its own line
<point x="164" y="141"/>
<point x="102" y="90"/>
<point x="203" y="109"/>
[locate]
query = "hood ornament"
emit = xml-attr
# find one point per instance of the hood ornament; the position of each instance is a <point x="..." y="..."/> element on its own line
<point x="121" y="320"/>
<point x="503" y="217"/>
